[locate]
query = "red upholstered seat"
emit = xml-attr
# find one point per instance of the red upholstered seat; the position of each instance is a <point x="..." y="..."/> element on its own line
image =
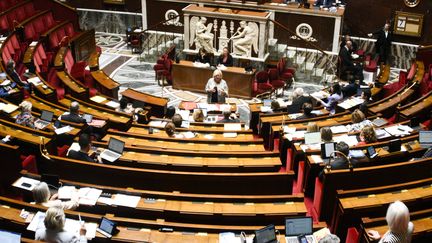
<point x="62" y="151"/>
<point x="317" y="200"/>
<point x="263" y="85"/>
<point x="56" y="83"/>
<point x="393" y="87"/>
<point x="274" y="79"/>
<point x="352" y="235"/>
<point x="373" y="64"/>
<point x="300" y="176"/>
<point x="29" y="163"/>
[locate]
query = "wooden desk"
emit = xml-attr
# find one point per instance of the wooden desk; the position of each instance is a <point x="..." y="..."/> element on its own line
<point x="421" y="105"/>
<point x="188" y="77"/>
<point x="139" y="99"/>
<point x="72" y="86"/>
<point x="106" y="85"/>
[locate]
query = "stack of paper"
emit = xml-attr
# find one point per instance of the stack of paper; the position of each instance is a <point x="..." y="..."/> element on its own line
<point x="35" y="81"/>
<point x="126" y="200"/>
<point x="339" y="129"/>
<point x="160" y="124"/>
<point x="350" y="140"/>
<point x="98" y="99"/>
<point x="66" y="192"/>
<point x="230" y="134"/>
<point x="184" y="114"/>
<point x="64" y="129"/>
<point x="88" y="196"/>
<point x="113" y="104"/>
<point x="399" y="130"/>
<point x="232" y="126"/>
<point x="189" y="134"/>
<point x="8" y="108"/>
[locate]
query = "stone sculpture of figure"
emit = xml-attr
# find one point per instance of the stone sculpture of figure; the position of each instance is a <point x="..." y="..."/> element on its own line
<point x="245" y="39"/>
<point x="203" y="36"/>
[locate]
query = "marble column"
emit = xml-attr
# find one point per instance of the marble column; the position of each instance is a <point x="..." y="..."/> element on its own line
<point x="262" y="39"/>
<point x="186" y="31"/>
<point x="144" y="14"/>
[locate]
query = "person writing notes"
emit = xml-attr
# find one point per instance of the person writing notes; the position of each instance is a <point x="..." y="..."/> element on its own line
<point x="216" y="88"/>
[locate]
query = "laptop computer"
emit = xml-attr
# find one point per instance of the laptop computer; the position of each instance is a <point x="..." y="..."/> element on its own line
<point x="88" y="118"/>
<point x="107" y="227"/>
<point x="9" y="237"/>
<point x="114" y="150"/>
<point x="266" y="235"/>
<point x="295" y="227"/>
<point x="425" y="139"/>
<point x="312" y="138"/>
<point x="44" y="120"/>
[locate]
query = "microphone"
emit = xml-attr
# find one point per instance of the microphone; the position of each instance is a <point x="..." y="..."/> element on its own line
<point x="43" y="150"/>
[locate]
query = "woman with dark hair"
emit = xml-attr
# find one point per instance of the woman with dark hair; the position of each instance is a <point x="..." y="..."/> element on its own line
<point x="225" y="58"/>
<point x="333" y="99"/>
<point x="202" y="56"/>
<point x="125" y="106"/>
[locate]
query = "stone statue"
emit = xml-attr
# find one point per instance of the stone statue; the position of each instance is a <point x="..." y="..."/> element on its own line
<point x="246" y="39"/>
<point x="200" y="34"/>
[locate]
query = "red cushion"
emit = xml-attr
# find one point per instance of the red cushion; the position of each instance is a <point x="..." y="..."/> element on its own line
<point x="29" y="164"/>
<point x="317" y="202"/>
<point x="69" y="29"/>
<point x="78" y="70"/>
<point x="262" y="77"/>
<point x="61" y="151"/>
<point x="265" y="86"/>
<point x="412" y="71"/>
<point x="300" y="176"/>
<point x="352" y="235"/>
<point x="278" y="84"/>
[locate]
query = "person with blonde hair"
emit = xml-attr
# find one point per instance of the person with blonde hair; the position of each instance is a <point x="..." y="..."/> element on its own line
<point x="398" y="221"/>
<point x="54" y="230"/>
<point x="367" y="135"/>
<point x="359" y="121"/>
<point x="42" y="196"/>
<point x="25" y="117"/>
<point x="312" y="127"/>
<point x="216" y="88"/>
<point x="198" y="115"/>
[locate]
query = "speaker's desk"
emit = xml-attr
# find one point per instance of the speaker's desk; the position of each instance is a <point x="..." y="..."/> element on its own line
<point x="188" y="77"/>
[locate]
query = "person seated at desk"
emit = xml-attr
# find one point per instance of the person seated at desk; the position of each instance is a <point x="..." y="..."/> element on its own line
<point x="359" y="121"/>
<point x="351" y="88"/>
<point x="25" y="118"/>
<point x="198" y="115"/>
<point x="83" y="154"/>
<point x="333" y="99"/>
<point x="312" y="127"/>
<point x="226" y="58"/>
<point x="298" y="99"/>
<point x="125" y="106"/>
<point x="307" y="112"/>
<point x="203" y="56"/>
<point x="7" y="88"/>
<point x="42" y="196"/>
<point x="398" y="221"/>
<point x="73" y="115"/>
<point x="367" y="136"/>
<point x="340" y="161"/>
<point x="216" y="88"/>
<point x="325" y="3"/>
<point x="227" y="118"/>
<point x="54" y="230"/>
<point x="366" y="96"/>
<point x="170" y="130"/>
<point x="354" y="46"/>
<point x="347" y="63"/>
<point x="326" y="135"/>
<point x="10" y="70"/>
<point x="170" y="112"/>
<point x="177" y="120"/>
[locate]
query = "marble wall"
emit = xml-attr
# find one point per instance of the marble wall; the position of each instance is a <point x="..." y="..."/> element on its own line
<point x="114" y="23"/>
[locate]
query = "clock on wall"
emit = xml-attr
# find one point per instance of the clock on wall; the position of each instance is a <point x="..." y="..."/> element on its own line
<point x="411" y="3"/>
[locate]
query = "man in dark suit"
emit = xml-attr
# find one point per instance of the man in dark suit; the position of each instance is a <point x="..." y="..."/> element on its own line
<point x="347" y="63"/>
<point x="350" y="89"/>
<point x="383" y="44"/>
<point x="73" y="115"/>
<point x="307" y="112"/>
<point x="10" y="69"/>
<point x="298" y="100"/>
<point x="340" y="162"/>
<point x="82" y="154"/>
<point x="227" y="118"/>
<point x="354" y="47"/>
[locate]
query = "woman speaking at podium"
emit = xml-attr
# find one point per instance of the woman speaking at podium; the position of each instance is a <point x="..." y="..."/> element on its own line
<point x="216" y="88"/>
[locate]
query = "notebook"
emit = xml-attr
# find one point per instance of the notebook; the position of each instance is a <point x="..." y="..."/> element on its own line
<point x="266" y="235"/>
<point x="425" y="139"/>
<point x="114" y="150"/>
<point x="44" y="120"/>
<point x="295" y="227"/>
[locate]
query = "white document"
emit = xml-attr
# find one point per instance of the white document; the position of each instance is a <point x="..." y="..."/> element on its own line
<point x="126" y="200"/>
<point x="398" y="130"/>
<point x="160" y="124"/>
<point x="381" y="133"/>
<point x="189" y="134"/>
<point x="208" y="136"/>
<point x="294" y="116"/>
<point x="339" y="129"/>
<point x="317" y="112"/>
<point x="98" y="99"/>
<point x="88" y="196"/>
<point x="66" y="192"/>
<point x="317" y="158"/>
<point x="113" y="104"/>
<point x="25" y="180"/>
<point x="230" y="134"/>
<point x="64" y="129"/>
<point x="265" y="109"/>
<point x="350" y="140"/>
<point x="287" y="129"/>
<point x="184" y="114"/>
<point x="35" y="81"/>
<point x="185" y="124"/>
<point x="37" y="222"/>
<point x="9" y="108"/>
<point x="105" y="200"/>
<point x="228" y="237"/>
<point x="232" y="127"/>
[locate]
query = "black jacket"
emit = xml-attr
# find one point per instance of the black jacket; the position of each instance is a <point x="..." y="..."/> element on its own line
<point x="229" y="61"/>
<point x="73" y="118"/>
<point x="78" y="155"/>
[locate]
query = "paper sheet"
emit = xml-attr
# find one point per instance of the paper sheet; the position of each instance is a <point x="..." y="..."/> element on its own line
<point x="32" y="182"/>
<point x="184" y="114"/>
<point x="98" y="99"/>
<point x="66" y="192"/>
<point x="230" y="134"/>
<point x="160" y="124"/>
<point x="9" y="108"/>
<point x="339" y="129"/>
<point x="189" y="134"/>
<point x="126" y="200"/>
<point x="232" y="126"/>
<point x="88" y="196"/>
<point x="64" y="129"/>
<point x="113" y="104"/>
<point x="350" y="140"/>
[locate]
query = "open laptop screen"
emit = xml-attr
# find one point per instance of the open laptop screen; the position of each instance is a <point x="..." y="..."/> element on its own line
<point x="116" y="145"/>
<point x="298" y="226"/>
<point x="47" y="115"/>
<point x="312" y="137"/>
<point x="266" y="234"/>
<point x="425" y="137"/>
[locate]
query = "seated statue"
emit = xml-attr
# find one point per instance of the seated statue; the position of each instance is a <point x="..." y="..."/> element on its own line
<point x="204" y="38"/>
<point x="244" y="40"/>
